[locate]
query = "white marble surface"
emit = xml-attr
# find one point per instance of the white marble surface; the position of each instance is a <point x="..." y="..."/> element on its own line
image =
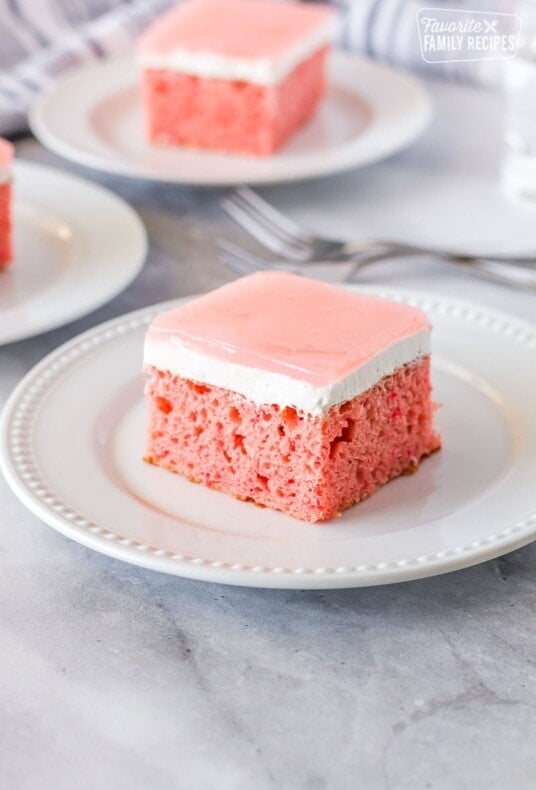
<point x="116" y="677"/>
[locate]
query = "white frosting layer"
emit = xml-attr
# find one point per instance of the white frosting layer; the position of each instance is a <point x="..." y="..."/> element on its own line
<point x="265" y="387"/>
<point x="5" y="175"/>
<point x="260" y="71"/>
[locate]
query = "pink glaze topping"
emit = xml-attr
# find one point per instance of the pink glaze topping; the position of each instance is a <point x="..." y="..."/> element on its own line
<point x="233" y="28"/>
<point x="6" y="154"/>
<point x="305" y="329"/>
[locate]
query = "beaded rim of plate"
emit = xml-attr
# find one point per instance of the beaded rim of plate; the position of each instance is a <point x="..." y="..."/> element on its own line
<point x="18" y="421"/>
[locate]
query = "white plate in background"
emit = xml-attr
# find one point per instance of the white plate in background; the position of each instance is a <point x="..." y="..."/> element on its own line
<point x="93" y="115"/>
<point x="471" y="501"/>
<point x="76" y="246"/>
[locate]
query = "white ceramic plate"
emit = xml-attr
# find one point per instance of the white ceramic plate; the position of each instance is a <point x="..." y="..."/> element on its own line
<point x="76" y="463"/>
<point x="93" y="116"/>
<point x="76" y="247"/>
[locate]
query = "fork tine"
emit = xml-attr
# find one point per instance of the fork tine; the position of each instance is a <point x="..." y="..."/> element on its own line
<point x="257" y="228"/>
<point x="291" y="241"/>
<point x="279" y="220"/>
<point x="269" y="217"/>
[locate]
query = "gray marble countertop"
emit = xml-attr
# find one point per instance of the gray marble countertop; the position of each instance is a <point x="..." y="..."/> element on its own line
<point x="117" y="677"/>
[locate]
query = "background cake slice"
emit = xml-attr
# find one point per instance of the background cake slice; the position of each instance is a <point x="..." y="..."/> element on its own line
<point x="290" y="392"/>
<point x="6" y="158"/>
<point x="235" y="75"/>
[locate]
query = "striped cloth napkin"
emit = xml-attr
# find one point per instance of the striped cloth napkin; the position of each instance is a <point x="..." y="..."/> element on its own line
<point x="41" y="39"/>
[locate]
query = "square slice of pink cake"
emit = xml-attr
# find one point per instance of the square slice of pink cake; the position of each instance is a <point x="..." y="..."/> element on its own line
<point x="290" y="393"/>
<point x="6" y="157"/>
<point x="234" y="75"/>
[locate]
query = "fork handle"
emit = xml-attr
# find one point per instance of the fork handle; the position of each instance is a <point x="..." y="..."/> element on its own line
<point x="506" y="273"/>
<point x="398" y="248"/>
<point x="497" y="270"/>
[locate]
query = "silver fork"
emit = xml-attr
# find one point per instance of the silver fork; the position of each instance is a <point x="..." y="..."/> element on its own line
<point x="292" y="243"/>
<point x="243" y="262"/>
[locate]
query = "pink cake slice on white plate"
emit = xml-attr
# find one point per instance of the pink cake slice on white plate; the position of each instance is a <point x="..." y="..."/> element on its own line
<point x="6" y="159"/>
<point x="290" y="393"/>
<point x="234" y="75"/>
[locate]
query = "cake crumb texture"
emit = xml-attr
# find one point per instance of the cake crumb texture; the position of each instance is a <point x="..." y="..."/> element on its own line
<point x="230" y="115"/>
<point x="309" y="467"/>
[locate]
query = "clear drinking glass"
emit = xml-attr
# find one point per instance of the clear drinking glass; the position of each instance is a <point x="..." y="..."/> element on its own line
<point x="519" y="169"/>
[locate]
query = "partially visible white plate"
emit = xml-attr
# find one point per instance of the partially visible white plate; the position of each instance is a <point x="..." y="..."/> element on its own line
<point x="472" y="501"/>
<point x="76" y="247"/>
<point x="94" y="117"/>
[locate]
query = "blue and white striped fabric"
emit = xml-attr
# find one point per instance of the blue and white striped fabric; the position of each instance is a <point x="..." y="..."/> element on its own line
<point x="41" y="39"/>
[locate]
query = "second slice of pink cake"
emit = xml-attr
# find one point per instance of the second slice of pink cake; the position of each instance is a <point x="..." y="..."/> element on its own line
<point x="234" y="75"/>
<point x="289" y="392"/>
